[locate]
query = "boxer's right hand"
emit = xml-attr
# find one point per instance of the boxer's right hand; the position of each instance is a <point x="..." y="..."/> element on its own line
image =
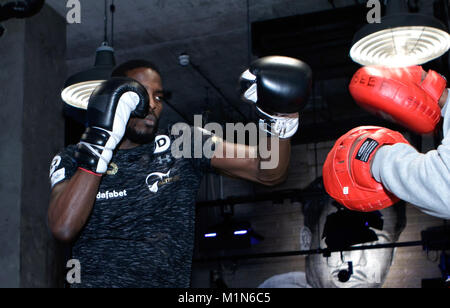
<point x="280" y="87"/>
<point x="109" y="109"/>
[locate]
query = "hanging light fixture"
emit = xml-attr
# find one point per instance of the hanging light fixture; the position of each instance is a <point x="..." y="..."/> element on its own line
<point x="78" y="87"/>
<point x="401" y="39"/>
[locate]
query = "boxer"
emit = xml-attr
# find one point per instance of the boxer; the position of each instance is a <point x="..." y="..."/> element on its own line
<point x="126" y="204"/>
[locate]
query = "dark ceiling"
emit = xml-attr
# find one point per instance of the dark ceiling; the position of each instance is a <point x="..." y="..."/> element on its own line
<point x="222" y="37"/>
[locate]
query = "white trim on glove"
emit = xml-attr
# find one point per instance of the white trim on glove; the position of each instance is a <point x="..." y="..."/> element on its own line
<point x="251" y="94"/>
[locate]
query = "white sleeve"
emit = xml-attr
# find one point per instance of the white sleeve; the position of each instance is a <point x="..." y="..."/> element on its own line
<point x="420" y="179"/>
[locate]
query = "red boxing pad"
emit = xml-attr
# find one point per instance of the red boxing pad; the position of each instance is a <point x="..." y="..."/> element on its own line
<point x="400" y="95"/>
<point x="346" y="173"/>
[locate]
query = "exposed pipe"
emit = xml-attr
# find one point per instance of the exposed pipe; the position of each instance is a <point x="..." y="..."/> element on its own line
<point x="323" y="251"/>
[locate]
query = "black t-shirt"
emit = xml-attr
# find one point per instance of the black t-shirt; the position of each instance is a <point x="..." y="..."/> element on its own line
<point x="141" y="229"/>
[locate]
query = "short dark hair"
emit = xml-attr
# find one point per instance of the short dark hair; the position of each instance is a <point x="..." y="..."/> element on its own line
<point x="122" y="69"/>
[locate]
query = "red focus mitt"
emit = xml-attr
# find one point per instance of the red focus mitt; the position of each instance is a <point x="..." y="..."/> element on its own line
<point x="400" y="95"/>
<point x="346" y="172"/>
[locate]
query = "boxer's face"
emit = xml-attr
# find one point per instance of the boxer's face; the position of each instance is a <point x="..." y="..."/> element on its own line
<point x="141" y="131"/>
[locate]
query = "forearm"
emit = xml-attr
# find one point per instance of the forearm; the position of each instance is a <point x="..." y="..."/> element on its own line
<point x="420" y="179"/>
<point x="265" y="164"/>
<point x="70" y="208"/>
<point x="273" y="169"/>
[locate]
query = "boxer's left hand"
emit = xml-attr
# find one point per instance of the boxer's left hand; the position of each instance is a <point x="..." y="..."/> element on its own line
<point x="110" y="106"/>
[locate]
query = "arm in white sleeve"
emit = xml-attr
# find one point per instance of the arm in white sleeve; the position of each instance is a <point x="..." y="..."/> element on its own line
<point x="420" y="179"/>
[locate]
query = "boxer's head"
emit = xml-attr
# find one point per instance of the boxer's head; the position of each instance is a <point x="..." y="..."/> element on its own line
<point x="141" y="131"/>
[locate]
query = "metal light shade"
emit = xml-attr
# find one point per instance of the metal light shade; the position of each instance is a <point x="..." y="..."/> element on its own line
<point x="401" y="39"/>
<point x="79" y="87"/>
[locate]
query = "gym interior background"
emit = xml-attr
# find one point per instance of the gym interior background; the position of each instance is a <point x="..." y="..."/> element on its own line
<point x="221" y="38"/>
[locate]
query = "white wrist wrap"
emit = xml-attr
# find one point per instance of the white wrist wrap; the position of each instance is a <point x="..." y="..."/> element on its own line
<point x="282" y="127"/>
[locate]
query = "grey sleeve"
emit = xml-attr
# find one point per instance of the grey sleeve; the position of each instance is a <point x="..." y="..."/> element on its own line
<point x="420" y="179"/>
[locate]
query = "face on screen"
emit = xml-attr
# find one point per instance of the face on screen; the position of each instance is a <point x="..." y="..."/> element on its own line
<point x="351" y="269"/>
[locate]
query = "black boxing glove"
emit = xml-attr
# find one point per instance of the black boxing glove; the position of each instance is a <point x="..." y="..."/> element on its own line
<point x="280" y="87"/>
<point x="110" y="106"/>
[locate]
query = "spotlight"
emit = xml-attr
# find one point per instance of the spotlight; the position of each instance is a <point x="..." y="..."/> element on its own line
<point x="229" y="235"/>
<point x="240" y="232"/>
<point x="401" y="39"/>
<point x="209" y="235"/>
<point x="184" y="59"/>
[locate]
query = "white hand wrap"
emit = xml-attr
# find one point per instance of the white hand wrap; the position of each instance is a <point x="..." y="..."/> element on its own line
<point x="279" y="126"/>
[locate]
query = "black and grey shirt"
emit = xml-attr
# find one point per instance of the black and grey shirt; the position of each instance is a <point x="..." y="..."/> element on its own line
<point x="141" y="229"/>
